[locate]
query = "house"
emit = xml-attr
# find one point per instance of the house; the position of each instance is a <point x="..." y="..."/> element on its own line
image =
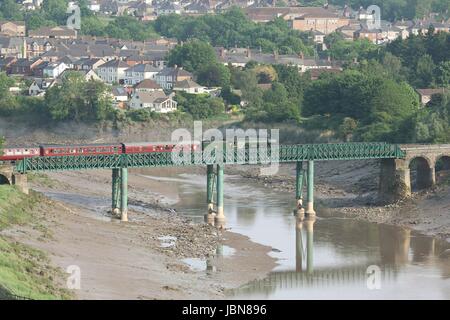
<point x="140" y="72"/>
<point x="427" y="94"/>
<point x="305" y="19"/>
<point x="54" y="70"/>
<point x="112" y="71"/>
<point x="189" y="86"/>
<point x="87" y="64"/>
<point x="147" y="85"/>
<point x="87" y="75"/>
<point x="24" y="66"/>
<point x="13" y="28"/>
<point x="120" y="97"/>
<point x="40" y="86"/>
<point x="59" y="32"/>
<point x="156" y="101"/>
<point x="315" y="19"/>
<point x="94" y="6"/>
<point x="167" y="77"/>
<point x="169" y="7"/>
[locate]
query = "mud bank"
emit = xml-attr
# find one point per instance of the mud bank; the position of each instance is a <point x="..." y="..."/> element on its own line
<point x="141" y="259"/>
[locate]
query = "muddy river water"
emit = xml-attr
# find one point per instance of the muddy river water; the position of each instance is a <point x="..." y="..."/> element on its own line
<point x="324" y="258"/>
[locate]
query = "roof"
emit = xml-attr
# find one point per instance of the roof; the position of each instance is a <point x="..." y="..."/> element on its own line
<point x="174" y="72"/>
<point x="430" y="92"/>
<point x="185" y="84"/>
<point x="151" y="97"/>
<point x="115" y="64"/>
<point x="119" y="91"/>
<point x="142" y="67"/>
<point x="147" y="84"/>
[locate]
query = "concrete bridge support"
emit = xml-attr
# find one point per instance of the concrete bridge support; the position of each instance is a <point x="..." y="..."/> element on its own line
<point x="220" y="220"/>
<point x="310" y="182"/>
<point x="309" y="224"/>
<point x="210" y="214"/>
<point x="395" y="182"/>
<point x="124" y="194"/>
<point x="8" y="176"/>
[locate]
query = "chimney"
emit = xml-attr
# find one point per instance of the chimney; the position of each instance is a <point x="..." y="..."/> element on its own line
<point x="275" y="55"/>
<point x="302" y="56"/>
<point x="222" y="52"/>
<point x="249" y="53"/>
<point x="329" y="58"/>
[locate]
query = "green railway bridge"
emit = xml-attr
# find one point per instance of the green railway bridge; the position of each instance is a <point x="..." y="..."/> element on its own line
<point x="395" y="170"/>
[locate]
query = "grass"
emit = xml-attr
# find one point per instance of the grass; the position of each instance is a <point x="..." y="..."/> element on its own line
<point x="24" y="271"/>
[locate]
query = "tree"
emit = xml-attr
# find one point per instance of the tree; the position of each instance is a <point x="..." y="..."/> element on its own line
<point x="200" y="106"/>
<point x="424" y="71"/>
<point x="10" y="10"/>
<point x="192" y="55"/>
<point x="265" y="73"/>
<point x="79" y="100"/>
<point x="56" y="10"/>
<point x="443" y="74"/>
<point x="214" y="75"/>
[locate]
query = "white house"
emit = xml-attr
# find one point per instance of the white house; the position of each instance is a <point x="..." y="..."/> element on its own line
<point x="40" y="86"/>
<point x="156" y="101"/>
<point x="112" y="71"/>
<point x="140" y="72"/>
<point x="54" y="70"/>
<point x="189" y="86"/>
<point x="94" y="6"/>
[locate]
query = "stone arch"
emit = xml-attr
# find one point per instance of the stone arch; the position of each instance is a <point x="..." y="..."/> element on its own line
<point x="442" y="168"/>
<point x="421" y="173"/>
<point x="4" y="179"/>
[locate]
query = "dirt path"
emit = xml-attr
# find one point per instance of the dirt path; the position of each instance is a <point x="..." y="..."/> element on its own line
<point x="130" y="260"/>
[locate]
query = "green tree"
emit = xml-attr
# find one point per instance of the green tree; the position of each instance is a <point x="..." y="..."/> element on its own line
<point x="214" y="75"/>
<point x="192" y="55"/>
<point x="10" y="10"/>
<point x="443" y="74"/>
<point x="424" y="71"/>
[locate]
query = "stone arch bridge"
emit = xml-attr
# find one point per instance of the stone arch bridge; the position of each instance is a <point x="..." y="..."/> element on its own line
<point x="425" y="161"/>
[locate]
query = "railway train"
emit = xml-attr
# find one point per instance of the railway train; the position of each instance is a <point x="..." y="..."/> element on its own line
<point x="13" y="154"/>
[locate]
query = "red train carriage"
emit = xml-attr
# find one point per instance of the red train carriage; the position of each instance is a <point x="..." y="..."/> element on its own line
<point x="148" y="147"/>
<point x="16" y="154"/>
<point x="80" y="150"/>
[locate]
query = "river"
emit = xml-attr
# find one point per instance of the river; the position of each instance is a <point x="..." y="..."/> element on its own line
<point x="321" y="258"/>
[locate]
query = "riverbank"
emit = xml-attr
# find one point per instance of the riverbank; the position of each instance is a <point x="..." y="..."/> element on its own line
<point x="25" y="273"/>
<point x="141" y="259"/>
<point x="349" y="189"/>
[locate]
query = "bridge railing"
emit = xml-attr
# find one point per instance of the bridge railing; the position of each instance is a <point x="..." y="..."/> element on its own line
<point x="274" y="154"/>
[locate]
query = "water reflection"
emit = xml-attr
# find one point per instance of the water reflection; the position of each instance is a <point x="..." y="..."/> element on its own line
<point x="328" y="252"/>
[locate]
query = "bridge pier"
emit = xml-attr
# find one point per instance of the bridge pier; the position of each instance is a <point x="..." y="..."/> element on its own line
<point x="395" y="181"/>
<point x="115" y="191"/>
<point x="210" y="214"/>
<point x="309" y="224"/>
<point x="299" y="174"/>
<point x="310" y="182"/>
<point x="220" y="216"/>
<point x="124" y="194"/>
<point x="299" y="244"/>
<point x="21" y="182"/>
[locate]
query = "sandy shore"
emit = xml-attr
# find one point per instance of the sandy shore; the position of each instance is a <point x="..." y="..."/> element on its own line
<point x="132" y="260"/>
